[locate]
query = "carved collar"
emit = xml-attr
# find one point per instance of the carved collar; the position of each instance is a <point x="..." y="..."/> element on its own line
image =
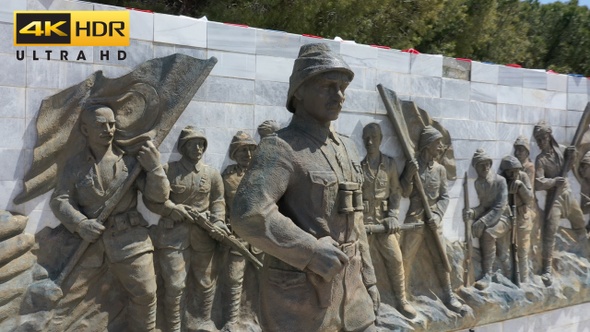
<point x="190" y="166"/>
<point x="313" y="129"/>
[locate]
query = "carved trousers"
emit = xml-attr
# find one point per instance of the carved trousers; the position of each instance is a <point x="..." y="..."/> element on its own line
<point x="491" y="245"/>
<point x="174" y="265"/>
<point x="387" y="247"/>
<point x="565" y="206"/>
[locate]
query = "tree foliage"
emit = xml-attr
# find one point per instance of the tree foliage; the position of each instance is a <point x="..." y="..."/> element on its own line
<point x="553" y="36"/>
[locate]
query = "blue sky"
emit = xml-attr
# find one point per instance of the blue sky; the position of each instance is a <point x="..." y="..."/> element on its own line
<point x="580" y="2"/>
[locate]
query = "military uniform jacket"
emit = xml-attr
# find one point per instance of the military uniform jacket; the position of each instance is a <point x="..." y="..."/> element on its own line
<point x="548" y="165"/>
<point x="493" y="200"/>
<point x="287" y="200"/>
<point x="232" y="176"/>
<point x="199" y="186"/>
<point x="381" y="190"/>
<point x="434" y="180"/>
<point x="82" y="191"/>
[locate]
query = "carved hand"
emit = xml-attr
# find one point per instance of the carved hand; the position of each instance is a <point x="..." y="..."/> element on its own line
<point x="220" y="231"/>
<point x="411" y="168"/>
<point x="478" y="228"/>
<point x="327" y="259"/>
<point x="179" y="213"/>
<point x="559" y="181"/>
<point x="468" y="214"/>
<point x="149" y="156"/>
<point x="514" y="186"/>
<point x="375" y="297"/>
<point x="434" y="222"/>
<point x="392" y="224"/>
<point x="90" y="230"/>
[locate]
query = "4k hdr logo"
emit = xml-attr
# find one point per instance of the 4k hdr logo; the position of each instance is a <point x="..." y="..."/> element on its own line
<point x="71" y="28"/>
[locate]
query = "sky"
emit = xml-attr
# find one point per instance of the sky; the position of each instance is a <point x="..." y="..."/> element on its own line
<point x="580" y="2"/>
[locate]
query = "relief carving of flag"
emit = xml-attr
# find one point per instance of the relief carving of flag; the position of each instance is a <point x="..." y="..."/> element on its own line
<point x="147" y="102"/>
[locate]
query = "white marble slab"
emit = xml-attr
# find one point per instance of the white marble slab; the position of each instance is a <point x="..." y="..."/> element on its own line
<point x="532" y="115"/>
<point x="58" y="5"/>
<point x="141" y="25"/>
<point x="535" y="78"/>
<point x="227" y="90"/>
<point x="557" y="82"/>
<point x="431" y="105"/>
<point x="180" y="30"/>
<point x="13" y="105"/>
<point x="455" y="89"/>
<point x="7" y="10"/>
<point x="577" y="101"/>
<point x="423" y="86"/>
<point x="400" y="83"/>
<point x="534" y="97"/>
<point x="482" y="111"/>
<point x="361" y="101"/>
<point x="426" y="65"/>
<point x="510" y="76"/>
<point x="484" y="73"/>
<point x="270" y="93"/>
<point x="232" y="64"/>
<point x="228" y="37"/>
<point x="277" y="113"/>
<point x="42" y="74"/>
<point x="509" y="95"/>
<point x="359" y="54"/>
<point x="484" y="92"/>
<point x="509" y="113"/>
<point x="557" y="100"/>
<point x="270" y="68"/>
<point x="577" y="84"/>
<point x="454" y="109"/>
<point x="393" y="60"/>
<point x="277" y="43"/>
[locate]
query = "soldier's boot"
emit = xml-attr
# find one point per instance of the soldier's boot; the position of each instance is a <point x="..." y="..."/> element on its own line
<point x="581" y="246"/>
<point x="399" y="288"/>
<point x="234" y="310"/>
<point x="451" y="300"/>
<point x="141" y="313"/>
<point x="172" y="313"/>
<point x="507" y="269"/>
<point x="203" y="308"/>
<point x="487" y="262"/>
<point x="546" y="275"/>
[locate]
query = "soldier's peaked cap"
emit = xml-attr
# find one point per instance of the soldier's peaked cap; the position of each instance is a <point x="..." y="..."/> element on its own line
<point x="314" y="59"/>
<point x="188" y="133"/>
<point x="522" y="141"/>
<point x="241" y="138"/>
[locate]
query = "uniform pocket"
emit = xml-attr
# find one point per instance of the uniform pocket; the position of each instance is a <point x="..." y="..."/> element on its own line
<point x="324" y="189"/>
<point x="286" y="279"/>
<point x="177" y="188"/>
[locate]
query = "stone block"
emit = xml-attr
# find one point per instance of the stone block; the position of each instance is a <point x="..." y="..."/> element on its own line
<point x="231" y="38"/>
<point x="510" y="76"/>
<point x="577" y="101"/>
<point x="534" y="97"/>
<point x="359" y="55"/>
<point x="72" y="73"/>
<point x="426" y="86"/>
<point x="58" y="5"/>
<point x="426" y="65"/>
<point x="13" y="105"/>
<point x="227" y="90"/>
<point x="12" y="163"/>
<point x="277" y="113"/>
<point x="13" y="130"/>
<point x="364" y="78"/>
<point x="7" y="11"/>
<point x="557" y="100"/>
<point x="271" y="68"/>
<point x="136" y="53"/>
<point x="577" y="84"/>
<point x="556" y="117"/>
<point x="484" y="72"/>
<point x="509" y="95"/>
<point x="484" y="92"/>
<point x="557" y="82"/>
<point x="12" y="71"/>
<point x="573" y="118"/>
<point x="234" y="64"/>
<point x="454" y="109"/>
<point x="141" y="25"/>
<point x="352" y="125"/>
<point x="532" y="115"/>
<point x="360" y="101"/>
<point x="42" y="74"/>
<point x="507" y="132"/>
<point x="162" y="50"/>
<point x="9" y="190"/>
<point x="455" y="89"/>
<point x="535" y="79"/>
<point x="270" y="93"/>
<point x="7" y="44"/>
<point x="509" y="113"/>
<point x="239" y="117"/>
<point x="431" y="105"/>
<point x="277" y="43"/>
<point x="180" y="30"/>
<point x="400" y="83"/>
<point x="393" y="60"/>
<point x="456" y="69"/>
<point x="482" y="111"/>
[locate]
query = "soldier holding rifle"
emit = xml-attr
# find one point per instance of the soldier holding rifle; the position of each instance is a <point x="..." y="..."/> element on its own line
<point x="434" y="179"/>
<point x="520" y="197"/>
<point x="194" y="186"/>
<point x="381" y="196"/>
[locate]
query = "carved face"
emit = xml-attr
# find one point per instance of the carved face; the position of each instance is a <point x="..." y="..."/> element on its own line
<point x="543" y="141"/>
<point x="100" y="129"/>
<point x="243" y="155"/>
<point x="521" y="153"/>
<point x="512" y="174"/>
<point x="322" y="96"/>
<point x="585" y="171"/>
<point x="372" y="138"/>
<point x="483" y="168"/>
<point x="435" y="148"/>
<point x="194" y="149"/>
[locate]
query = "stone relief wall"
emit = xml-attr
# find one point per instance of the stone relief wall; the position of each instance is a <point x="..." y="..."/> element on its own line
<point x="481" y="105"/>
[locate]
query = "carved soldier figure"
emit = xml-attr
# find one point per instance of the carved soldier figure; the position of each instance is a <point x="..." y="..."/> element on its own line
<point x="522" y="151"/>
<point x="381" y="196"/>
<point x="434" y="178"/>
<point x="241" y="150"/>
<point x="584" y="172"/>
<point x="521" y="196"/>
<point x="300" y="202"/>
<point x="83" y="187"/>
<point x="194" y="185"/>
<point x="548" y="167"/>
<point x="492" y="218"/>
<point x="268" y="127"/>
